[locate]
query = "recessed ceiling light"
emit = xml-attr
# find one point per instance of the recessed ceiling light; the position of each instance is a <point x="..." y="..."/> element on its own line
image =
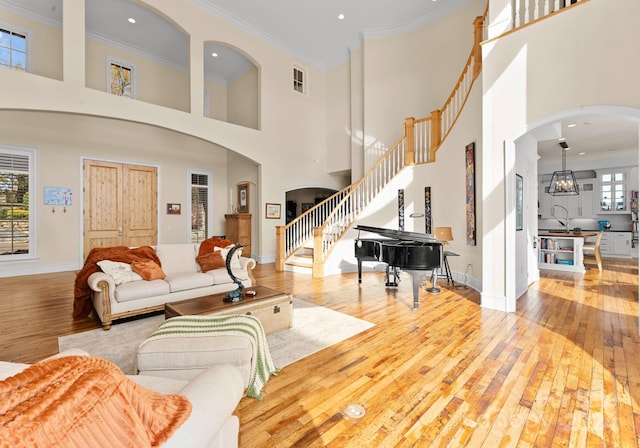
<point x="131" y="20"/>
<point x="341" y="16"/>
<point x="581" y="153"/>
<point x="215" y="55"/>
<point x="572" y="125"/>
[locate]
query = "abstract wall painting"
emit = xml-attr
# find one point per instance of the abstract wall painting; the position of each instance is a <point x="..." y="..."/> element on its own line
<point x="401" y="209"/>
<point x="428" y="224"/>
<point x="470" y="175"/>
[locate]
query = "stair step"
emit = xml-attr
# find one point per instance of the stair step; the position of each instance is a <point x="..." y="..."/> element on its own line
<point x="300" y="261"/>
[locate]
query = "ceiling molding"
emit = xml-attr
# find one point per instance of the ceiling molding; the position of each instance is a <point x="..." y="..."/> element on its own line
<point x="224" y="15"/>
<point x="16" y="7"/>
<point x="135" y="50"/>
<point x="441" y="12"/>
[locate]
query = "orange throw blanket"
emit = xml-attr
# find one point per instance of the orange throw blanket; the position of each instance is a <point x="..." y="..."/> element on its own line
<point x="82" y="401"/>
<point x="82" y="292"/>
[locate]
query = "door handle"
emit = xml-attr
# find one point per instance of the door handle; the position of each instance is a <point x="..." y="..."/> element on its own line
<point x="119" y="231"/>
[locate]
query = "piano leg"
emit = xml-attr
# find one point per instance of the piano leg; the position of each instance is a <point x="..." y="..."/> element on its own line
<point x="434" y="279"/>
<point x="396" y="277"/>
<point x="359" y="270"/>
<point x="416" y="289"/>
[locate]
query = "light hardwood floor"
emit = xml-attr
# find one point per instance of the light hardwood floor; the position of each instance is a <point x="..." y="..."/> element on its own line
<point x="564" y="370"/>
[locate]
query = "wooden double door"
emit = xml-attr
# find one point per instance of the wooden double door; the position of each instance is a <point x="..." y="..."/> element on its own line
<point x="120" y="205"/>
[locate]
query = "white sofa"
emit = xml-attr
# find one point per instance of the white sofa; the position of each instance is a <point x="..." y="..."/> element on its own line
<point x="214" y="395"/>
<point x="184" y="280"/>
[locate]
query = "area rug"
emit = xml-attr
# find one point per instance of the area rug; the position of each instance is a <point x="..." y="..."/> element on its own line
<point x="314" y="328"/>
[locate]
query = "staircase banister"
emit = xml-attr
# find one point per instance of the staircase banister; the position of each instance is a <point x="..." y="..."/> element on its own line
<point x="318" y="205"/>
<point x="459" y="82"/>
<point x="356" y="184"/>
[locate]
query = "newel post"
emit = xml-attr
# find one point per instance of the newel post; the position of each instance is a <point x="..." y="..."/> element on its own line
<point x="280" y="248"/>
<point x="478" y="25"/>
<point x="409" y="141"/>
<point x="436" y="135"/>
<point x="318" y="254"/>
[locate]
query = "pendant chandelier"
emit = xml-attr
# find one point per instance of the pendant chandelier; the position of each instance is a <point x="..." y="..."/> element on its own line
<point x="563" y="183"/>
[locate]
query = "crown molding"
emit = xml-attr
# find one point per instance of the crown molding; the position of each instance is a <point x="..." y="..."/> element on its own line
<point x="16" y="7"/>
<point x="135" y="50"/>
<point x="224" y="15"/>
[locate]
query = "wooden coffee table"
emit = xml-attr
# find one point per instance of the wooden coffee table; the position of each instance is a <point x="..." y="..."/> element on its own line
<point x="273" y="308"/>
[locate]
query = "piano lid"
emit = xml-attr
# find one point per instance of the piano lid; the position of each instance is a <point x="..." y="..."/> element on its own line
<point x="399" y="234"/>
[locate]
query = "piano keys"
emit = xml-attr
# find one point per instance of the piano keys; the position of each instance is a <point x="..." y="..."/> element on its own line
<point x="411" y="252"/>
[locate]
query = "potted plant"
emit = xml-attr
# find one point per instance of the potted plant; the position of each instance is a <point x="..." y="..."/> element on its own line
<point x="577" y="230"/>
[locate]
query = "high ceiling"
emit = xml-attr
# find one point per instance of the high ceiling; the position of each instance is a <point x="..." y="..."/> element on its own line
<point x="312" y="30"/>
<point x="313" y="33"/>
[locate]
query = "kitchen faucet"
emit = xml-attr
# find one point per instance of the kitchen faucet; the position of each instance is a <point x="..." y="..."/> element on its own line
<point x="566" y="221"/>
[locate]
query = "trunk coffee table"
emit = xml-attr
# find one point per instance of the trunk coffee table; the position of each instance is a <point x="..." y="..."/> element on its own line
<point x="273" y="308"/>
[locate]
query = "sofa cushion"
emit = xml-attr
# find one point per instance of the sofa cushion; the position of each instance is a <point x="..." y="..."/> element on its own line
<point x="210" y="261"/>
<point x="121" y="272"/>
<point x="188" y="280"/>
<point x="177" y="258"/>
<point x="221" y="276"/>
<point x="235" y="259"/>
<point x="148" y="270"/>
<point x="141" y="290"/>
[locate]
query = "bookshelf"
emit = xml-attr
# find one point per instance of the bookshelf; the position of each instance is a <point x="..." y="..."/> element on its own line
<point x="561" y="253"/>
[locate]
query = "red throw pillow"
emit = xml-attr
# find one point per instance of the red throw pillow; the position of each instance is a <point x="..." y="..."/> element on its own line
<point x="148" y="270"/>
<point x="211" y="261"/>
<point x="207" y="245"/>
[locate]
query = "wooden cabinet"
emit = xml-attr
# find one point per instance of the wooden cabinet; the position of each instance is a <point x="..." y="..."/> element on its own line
<point x="616" y="244"/>
<point x="578" y="206"/>
<point x="239" y="231"/>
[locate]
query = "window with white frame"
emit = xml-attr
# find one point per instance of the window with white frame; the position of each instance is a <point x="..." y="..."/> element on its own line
<point x="13" y="49"/>
<point x="201" y="194"/>
<point x="613" y="189"/>
<point x="17" y="211"/>
<point x="121" y="78"/>
<point x="299" y="80"/>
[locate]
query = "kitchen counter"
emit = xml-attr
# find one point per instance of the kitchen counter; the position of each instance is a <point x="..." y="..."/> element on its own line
<point x="567" y="235"/>
<point x="562" y="251"/>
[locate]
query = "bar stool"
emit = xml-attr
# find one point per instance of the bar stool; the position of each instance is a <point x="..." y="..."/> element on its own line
<point x="444" y="235"/>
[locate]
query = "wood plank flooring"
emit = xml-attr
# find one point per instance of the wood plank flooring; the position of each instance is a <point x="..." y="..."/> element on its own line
<point x="564" y="370"/>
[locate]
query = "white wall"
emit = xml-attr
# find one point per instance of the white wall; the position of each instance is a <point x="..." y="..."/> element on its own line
<point x="412" y="74"/>
<point x="566" y="65"/>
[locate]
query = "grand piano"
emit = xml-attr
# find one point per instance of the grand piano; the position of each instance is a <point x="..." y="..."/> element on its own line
<point x="411" y="252"/>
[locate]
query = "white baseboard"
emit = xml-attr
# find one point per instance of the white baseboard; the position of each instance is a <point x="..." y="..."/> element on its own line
<point x="493" y="302"/>
<point x="39" y="269"/>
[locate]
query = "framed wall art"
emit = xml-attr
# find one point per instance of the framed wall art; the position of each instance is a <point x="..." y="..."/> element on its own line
<point x="401" y="209"/>
<point x="243" y="198"/>
<point x="519" y="201"/>
<point x="428" y="225"/>
<point x="173" y="209"/>
<point x="470" y="193"/>
<point x="272" y="211"/>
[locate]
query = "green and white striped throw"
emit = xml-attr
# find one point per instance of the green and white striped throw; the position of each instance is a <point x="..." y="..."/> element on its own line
<point x="246" y="326"/>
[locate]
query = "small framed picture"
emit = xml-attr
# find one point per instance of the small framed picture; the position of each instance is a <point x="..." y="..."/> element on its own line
<point x="243" y="198"/>
<point x="272" y="211"/>
<point x="173" y="209"/>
